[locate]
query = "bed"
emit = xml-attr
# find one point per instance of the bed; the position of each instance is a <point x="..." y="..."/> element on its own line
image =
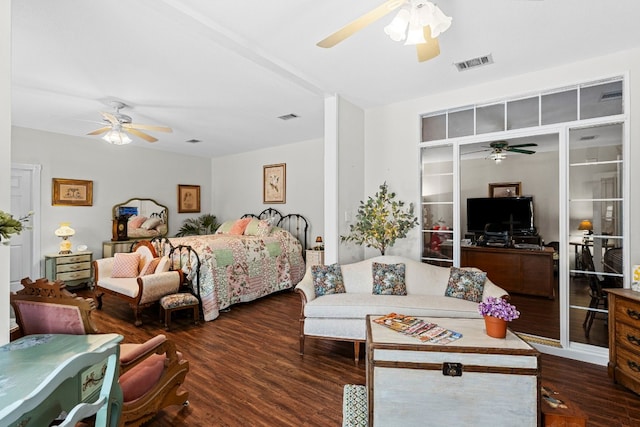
<point x="266" y="257"/>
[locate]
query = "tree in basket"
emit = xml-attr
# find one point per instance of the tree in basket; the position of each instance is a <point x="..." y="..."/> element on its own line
<point x="381" y="221"/>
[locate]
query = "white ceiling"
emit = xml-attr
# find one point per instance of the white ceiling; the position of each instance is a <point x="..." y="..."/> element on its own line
<point x="223" y="71"/>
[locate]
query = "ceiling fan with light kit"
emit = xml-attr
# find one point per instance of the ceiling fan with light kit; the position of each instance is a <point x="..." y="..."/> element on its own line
<point x="498" y="150"/>
<point x="418" y="22"/>
<point x="118" y="125"/>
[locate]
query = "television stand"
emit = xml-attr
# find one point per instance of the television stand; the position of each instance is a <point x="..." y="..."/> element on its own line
<point x="518" y="271"/>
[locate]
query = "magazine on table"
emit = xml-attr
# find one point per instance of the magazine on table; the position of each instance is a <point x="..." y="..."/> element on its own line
<point x="427" y="332"/>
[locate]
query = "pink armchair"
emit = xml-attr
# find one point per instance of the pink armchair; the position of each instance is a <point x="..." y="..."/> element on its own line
<point x="140" y="283"/>
<point x="151" y="374"/>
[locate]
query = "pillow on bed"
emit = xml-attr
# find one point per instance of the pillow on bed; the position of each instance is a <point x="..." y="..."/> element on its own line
<point x="151" y="223"/>
<point x="388" y="279"/>
<point x="239" y="226"/>
<point x="258" y="227"/>
<point x="137" y="221"/>
<point x="327" y="279"/>
<point x="225" y="227"/>
<point x="125" y="264"/>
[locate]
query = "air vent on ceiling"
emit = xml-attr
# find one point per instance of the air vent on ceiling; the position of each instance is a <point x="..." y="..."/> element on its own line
<point x="193" y="141"/>
<point x="288" y="116"/>
<point x="608" y="96"/>
<point x="474" y="62"/>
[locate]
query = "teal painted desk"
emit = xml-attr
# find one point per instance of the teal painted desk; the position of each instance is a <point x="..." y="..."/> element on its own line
<point x="44" y="375"/>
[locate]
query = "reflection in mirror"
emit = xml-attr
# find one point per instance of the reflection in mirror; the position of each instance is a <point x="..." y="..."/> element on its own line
<point x="528" y="271"/>
<point x="145" y="218"/>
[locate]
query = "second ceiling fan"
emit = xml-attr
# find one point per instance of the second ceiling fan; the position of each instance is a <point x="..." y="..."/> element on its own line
<point x="418" y="22"/>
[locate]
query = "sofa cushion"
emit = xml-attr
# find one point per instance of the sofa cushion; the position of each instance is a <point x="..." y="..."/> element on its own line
<point x="150" y="267"/>
<point x="358" y="305"/>
<point x="125" y="264"/>
<point x="327" y="279"/>
<point x="466" y="284"/>
<point x="388" y="279"/>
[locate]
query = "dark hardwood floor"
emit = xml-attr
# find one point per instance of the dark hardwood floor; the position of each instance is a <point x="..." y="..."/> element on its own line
<point x="246" y="370"/>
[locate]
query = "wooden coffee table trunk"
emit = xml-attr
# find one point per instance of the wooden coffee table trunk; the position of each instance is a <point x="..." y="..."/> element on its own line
<point x="476" y="380"/>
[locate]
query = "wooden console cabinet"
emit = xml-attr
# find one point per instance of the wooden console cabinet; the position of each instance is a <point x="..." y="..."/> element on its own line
<point x="624" y="337"/>
<point x="518" y="271"/>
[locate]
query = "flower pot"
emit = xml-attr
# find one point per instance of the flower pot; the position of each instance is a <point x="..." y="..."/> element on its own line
<point x="496" y="328"/>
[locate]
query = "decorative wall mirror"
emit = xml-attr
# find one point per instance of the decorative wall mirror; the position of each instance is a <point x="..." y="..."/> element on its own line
<point x="139" y="219"/>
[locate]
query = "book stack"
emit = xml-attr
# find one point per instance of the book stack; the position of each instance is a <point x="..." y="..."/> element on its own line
<point x="426" y="332"/>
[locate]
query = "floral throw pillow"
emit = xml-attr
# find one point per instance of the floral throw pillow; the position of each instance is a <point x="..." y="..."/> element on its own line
<point x="466" y="284"/>
<point x="327" y="279"/>
<point x="388" y="279"/>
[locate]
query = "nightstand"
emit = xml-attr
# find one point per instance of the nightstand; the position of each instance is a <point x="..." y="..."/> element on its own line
<point x="73" y="269"/>
<point x="110" y="247"/>
<point x="315" y="257"/>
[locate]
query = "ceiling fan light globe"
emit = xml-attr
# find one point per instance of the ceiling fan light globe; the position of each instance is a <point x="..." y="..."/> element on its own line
<point x="438" y="21"/>
<point x="397" y="28"/>
<point x="116" y="137"/>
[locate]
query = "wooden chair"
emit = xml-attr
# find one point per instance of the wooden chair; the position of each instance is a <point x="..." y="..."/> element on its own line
<point x="47" y="307"/>
<point x="598" y="296"/>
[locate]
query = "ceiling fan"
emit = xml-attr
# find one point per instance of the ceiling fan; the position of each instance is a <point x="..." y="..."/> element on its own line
<point x="118" y="125"/>
<point x="419" y="22"/>
<point x="498" y="150"/>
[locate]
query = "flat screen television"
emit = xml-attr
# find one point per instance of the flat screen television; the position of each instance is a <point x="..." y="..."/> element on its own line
<point x="500" y="214"/>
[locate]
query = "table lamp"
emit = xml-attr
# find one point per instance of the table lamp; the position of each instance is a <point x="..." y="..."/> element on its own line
<point x="65" y="232"/>
<point x="319" y="245"/>
<point x="587" y="226"/>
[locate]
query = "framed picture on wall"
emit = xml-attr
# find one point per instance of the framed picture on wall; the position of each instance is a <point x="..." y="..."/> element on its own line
<point x="71" y="192"/>
<point x="274" y="183"/>
<point x="505" y="189"/>
<point x="188" y="198"/>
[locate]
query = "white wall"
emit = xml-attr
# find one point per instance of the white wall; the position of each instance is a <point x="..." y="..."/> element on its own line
<point x="392" y="131"/>
<point x="5" y="157"/>
<point x="237" y="183"/>
<point x="118" y="174"/>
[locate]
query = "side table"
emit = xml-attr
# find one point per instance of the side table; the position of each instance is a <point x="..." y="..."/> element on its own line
<point x="73" y="269"/>
<point x="315" y="257"/>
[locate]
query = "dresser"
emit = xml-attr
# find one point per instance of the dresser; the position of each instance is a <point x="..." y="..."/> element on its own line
<point x="73" y="269"/>
<point x="112" y="247"/>
<point x="314" y="257"/>
<point x="42" y="375"/>
<point x="624" y="337"/>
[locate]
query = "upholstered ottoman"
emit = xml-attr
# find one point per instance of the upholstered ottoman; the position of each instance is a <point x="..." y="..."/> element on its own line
<point x="176" y="302"/>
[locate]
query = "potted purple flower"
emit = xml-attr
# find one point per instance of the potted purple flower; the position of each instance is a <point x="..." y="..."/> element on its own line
<point x="497" y="312"/>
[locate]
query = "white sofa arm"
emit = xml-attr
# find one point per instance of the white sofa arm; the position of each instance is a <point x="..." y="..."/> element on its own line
<point x="305" y="286"/>
<point x="155" y="286"/>
<point x="102" y="268"/>
<point x="493" y="290"/>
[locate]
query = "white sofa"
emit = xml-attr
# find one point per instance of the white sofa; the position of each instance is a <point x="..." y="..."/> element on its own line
<point x="342" y="316"/>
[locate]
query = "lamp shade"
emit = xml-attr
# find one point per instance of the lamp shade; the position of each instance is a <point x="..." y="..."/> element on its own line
<point x="65" y="230"/>
<point x="117" y="137"/>
<point x="585" y="225"/>
<point x="319" y="239"/>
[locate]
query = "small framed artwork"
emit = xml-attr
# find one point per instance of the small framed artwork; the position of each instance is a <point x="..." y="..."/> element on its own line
<point x="188" y="198"/>
<point x="71" y="192"/>
<point x="505" y="189"/>
<point x="274" y="183"/>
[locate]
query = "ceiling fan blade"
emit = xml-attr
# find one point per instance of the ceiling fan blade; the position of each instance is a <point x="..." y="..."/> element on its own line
<point x="146" y="127"/>
<point x="430" y="49"/>
<point x="99" y="131"/>
<point x="531" y="144"/>
<point x="517" y="150"/>
<point x="110" y="117"/>
<point x="142" y="135"/>
<point x="360" y="23"/>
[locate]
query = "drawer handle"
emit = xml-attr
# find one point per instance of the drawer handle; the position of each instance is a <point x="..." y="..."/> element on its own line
<point x="633" y="339"/>
<point x="633" y="365"/>
<point x="633" y="314"/>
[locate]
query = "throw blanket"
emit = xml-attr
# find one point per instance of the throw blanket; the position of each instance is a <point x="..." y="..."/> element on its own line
<point x="243" y="268"/>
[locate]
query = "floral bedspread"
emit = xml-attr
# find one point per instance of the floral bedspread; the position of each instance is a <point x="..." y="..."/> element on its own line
<point x="243" y="268"/>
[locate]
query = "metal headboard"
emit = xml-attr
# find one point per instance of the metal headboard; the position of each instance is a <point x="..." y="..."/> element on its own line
<point x="297" y="225"/>
<point x="186" y="259"/>
<point x="270" y="213"/>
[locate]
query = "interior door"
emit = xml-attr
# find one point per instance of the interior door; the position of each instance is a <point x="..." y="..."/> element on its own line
<point x="23" y="263"/>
